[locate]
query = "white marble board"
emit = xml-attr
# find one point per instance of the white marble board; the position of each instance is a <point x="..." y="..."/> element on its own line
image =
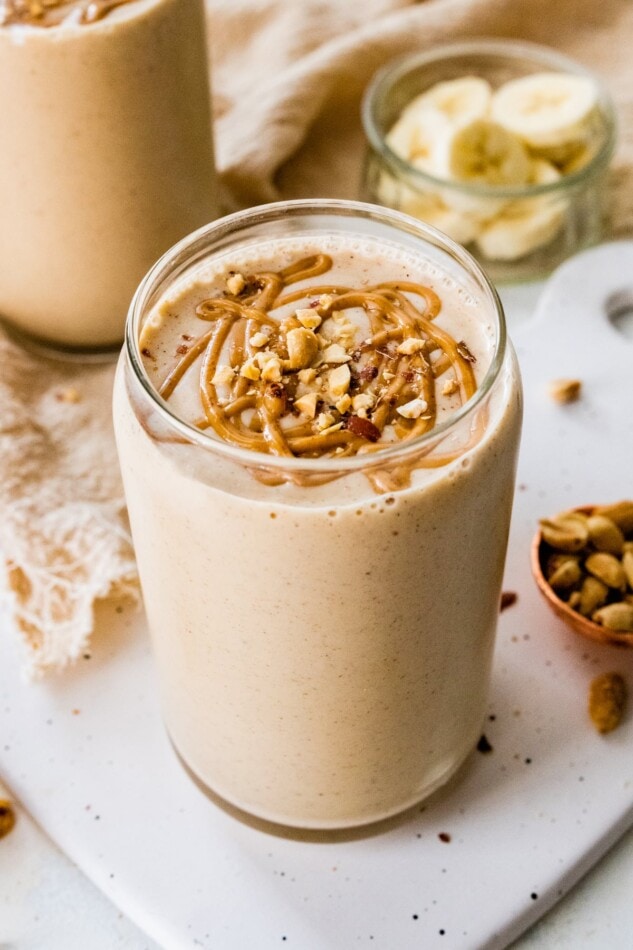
<point x="87" y="756"/>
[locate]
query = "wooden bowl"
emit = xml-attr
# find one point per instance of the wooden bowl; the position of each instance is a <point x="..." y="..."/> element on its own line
<point x="574" y="620"/>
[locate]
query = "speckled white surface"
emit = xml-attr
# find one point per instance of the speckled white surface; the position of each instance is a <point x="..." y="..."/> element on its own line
<point x="525" y="820"/>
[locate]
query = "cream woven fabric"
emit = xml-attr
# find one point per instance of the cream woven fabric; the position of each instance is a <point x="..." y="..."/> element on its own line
<point x="288" y="76"/>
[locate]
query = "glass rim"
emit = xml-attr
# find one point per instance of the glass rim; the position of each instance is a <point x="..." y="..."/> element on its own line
<point x="232" y="224"/>
<point x="385" y="78"/>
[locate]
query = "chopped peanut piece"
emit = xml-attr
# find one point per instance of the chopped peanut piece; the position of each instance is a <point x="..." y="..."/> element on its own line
<point x="413" y="409"/>
<point x="272" y="370"/>
<point x="224" y="375"/>
<point x="302" y="346"/>
<point x="259" y="339"/>
<point x="308" y="318"/>
<point x="339" y="380"/>
<point x="307" y="404"/>
<point x="332" y="428"/>
<point x="411" y="345"/>
<point x="235" y="284"/>
<point x="335" y="353"/>
<point x="250" y="370"/>
<point x="325" y="420"/>
<point x="306" y="375"/>
<point x="362" y="401"/>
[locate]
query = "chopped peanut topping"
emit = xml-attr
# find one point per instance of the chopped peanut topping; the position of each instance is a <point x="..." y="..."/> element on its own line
<point x="223" y="376"/>
<point x="272" y="370"/>
<point x="335" y="353"/>
<point x="338" y="380"/>
<point x="413" y="409"/>
<point x="259" y="339"/>
<point x="325" y="420"/>
<point x="250" y="370"/>
<point x="307" y="404"/>
<point x="308" y="318"/>
<point x="303" y="346"/>
<point x="411" y="345"/>
<point x="235" y="284"/>
<point x="330" y="374"/>
<point x="362" y="401"/>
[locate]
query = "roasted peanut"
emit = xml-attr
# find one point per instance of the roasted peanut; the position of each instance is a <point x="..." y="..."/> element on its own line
<point x="618" y="616"/>
<point x="606" y="568"/>
<point x="303" y="346"/>
<point x="607" y="701"/>
<point x="605" y="535"/>
<point x="565" y="532"/>
<point x="593" y="594"/>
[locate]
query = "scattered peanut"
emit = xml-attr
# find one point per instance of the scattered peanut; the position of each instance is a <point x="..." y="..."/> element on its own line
<point x="7" y="817"/>
<point x="607" y="701"/>
<point x="565" y="390"/>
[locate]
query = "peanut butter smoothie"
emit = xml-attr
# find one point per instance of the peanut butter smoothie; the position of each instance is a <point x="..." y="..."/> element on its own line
<point x="106" y="157"/>
<point x="318" y="422"/>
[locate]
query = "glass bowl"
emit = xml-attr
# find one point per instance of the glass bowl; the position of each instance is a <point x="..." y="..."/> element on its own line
<point x="516" y="231"/>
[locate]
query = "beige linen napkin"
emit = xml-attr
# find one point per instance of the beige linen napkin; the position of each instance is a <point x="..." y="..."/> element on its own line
<point x="288" y="76"/>
<point x="290" y="91"/>
<point x="63" y="533"/>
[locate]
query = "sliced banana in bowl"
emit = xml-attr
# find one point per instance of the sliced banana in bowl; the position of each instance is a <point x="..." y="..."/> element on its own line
<point x="527" y="223"/>
<point x="455" y="102"/>
<point x="547" y="110"/>
<point x="482" y="152"/>
<point x="503" y="145"/>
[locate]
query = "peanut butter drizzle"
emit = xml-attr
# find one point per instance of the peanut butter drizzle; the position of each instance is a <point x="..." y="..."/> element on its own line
<point x="47" y="13"/>
<point x="260" y="416"/>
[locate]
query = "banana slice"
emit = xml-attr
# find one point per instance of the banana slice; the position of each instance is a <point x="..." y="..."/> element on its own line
<point x="414" y="138"/>
<point x="482" y="152"/>
<point x="460" y="226"/>
<point x="430" y="115"/>
<point x="579" y="159"/>
<point x="547" y="109"/>
<point x="455" y="101"/>
<point x="526" y="224"/>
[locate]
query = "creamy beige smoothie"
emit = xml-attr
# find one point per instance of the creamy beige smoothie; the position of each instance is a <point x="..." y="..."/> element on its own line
<point x="321" y="543"/>
<point x="106" y="157"/>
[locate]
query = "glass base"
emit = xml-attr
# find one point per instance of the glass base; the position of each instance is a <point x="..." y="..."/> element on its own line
<point x="60" y="353"/>
<point x="328" y="832"/>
